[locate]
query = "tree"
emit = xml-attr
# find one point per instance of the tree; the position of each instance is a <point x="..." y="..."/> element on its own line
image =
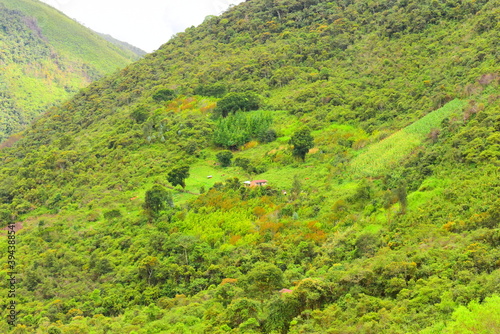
<point x="402" y="195"/>
<point x="178" y="175"/>
<point x="157" y="199"/>
<point x="224" y="158"/>
<point x="264" y="278"/>
<point x="234" y="102"/>
<point x="140" y="114"/>
<point x="302" y="141"/>
<point x="217" y="89"/>
<point x="163" y="95"/>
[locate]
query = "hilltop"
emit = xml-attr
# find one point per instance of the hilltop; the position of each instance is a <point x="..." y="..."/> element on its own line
<point x="124" y="45"/>
<point x="46" y="57"/>
<point x="375" y="125"/>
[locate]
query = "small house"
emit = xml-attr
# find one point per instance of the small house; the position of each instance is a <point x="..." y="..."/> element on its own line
<point x="258" y="183"/>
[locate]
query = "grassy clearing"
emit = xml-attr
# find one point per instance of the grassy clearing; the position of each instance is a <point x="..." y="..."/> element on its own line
<point x="382" y="156"/>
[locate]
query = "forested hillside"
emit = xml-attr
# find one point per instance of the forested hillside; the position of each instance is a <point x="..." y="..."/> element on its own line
<point x="375" y="126"/>
<point x="124" y="45"/>
<point x="46" y="58"/>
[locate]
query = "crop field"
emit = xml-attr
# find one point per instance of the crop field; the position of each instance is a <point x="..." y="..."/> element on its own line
<point x="380" y="157"/>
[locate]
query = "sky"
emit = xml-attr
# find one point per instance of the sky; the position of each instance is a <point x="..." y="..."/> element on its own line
<point x="146" y="24"/>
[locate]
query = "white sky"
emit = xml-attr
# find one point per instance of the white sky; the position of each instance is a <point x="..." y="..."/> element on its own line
<point x="146" y="24"/>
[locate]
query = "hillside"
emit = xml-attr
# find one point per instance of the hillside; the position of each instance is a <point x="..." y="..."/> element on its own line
<point x="124" y="45"/>
<point x="46" y="57"/>
<point x="376" y="126"/>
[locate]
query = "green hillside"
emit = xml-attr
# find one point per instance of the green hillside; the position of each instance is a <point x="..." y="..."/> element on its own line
<point x="46" y="57"/>
<point x="124" y="45"/>
<point x="376" y="126"/>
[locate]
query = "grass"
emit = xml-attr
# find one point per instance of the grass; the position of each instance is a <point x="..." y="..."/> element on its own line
<point x="430" y="188"/>
<point x="382" y="156"/>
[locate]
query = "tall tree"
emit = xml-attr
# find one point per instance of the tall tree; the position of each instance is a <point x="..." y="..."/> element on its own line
<point x="302" y="141"/>
<point x="178" y="175"/>
<point x="157" y="199"/>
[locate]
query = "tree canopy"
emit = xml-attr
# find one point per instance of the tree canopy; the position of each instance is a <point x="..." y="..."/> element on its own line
<point x="302" y="142"/>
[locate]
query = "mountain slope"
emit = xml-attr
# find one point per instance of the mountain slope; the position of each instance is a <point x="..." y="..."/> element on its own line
<point x="124" y="45"/>
<point x="389" y="224"/>
<point x="46" y="57"/>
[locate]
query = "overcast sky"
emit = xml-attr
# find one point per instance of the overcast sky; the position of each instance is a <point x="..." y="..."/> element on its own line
<point x="146" y="24"/>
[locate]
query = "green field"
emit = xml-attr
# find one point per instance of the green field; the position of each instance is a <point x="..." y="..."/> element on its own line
<point x="385" y="155"/>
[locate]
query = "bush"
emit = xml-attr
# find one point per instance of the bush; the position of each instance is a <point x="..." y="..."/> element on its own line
<point x="244" y="163"/>
<point x="115" y="213"/>
<point x="267" y="136"/>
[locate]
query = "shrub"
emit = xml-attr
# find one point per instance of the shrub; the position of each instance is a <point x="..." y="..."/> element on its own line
<point x="115" y="213"/>
<point x="267" y="136"/>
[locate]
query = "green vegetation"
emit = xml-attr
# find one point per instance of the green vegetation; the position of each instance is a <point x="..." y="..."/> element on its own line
<point x="302" y="142"/>
<point x="156" y="200"/>
<point x="390" y="225"/>
<point x="236" y="130"/>
<point x="178" y="175"/>
<point x="46" y="57"/>
<point x="235" y="101"/>
<point x="124" y="45"/>
<point x="224" y="158"/>
<point x="385" y="155"/>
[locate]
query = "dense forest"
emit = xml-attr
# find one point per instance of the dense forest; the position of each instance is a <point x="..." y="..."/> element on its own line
<point x="46" y="58"/>
<point x="375" y="126"/>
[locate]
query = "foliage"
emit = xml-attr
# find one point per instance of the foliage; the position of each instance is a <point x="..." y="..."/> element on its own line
<point x="163" y="94"/>
<point x="156" y="200"/>
<point x="235" y="101"/>
<point x="139" y="114"/>
<point x="47" y="58"/>
<point x="236" y="130"/>
<point x="476" y="317"/>
<point x="178" y="175"/>
<point x="217" y="89"/>
<point x="302" y="142"/>
<point x="224" y="158"/>
<point x="370" y="235"/>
